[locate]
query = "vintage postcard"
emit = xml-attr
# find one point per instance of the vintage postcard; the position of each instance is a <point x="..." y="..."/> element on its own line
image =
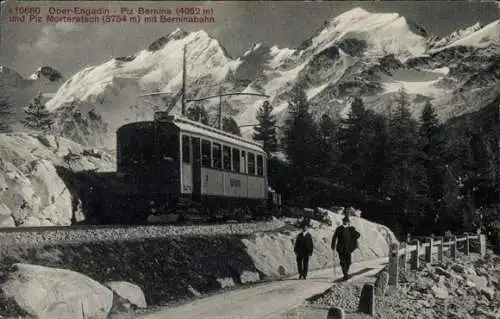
<point x="249" y="159"/>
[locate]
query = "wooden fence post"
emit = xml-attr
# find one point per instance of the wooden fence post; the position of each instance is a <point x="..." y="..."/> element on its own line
<point x="335" y="313"/>
<point x="467" y="245"/>
<point x="440" y="249"/>
<point x="482" y="245"/>
<point x="394" y="264"/>
<point x="415" y="262"/>
<point x="428" y="250"/>
<point x="453" y="247"/>
<point x="405" y="257"/>
<point x="367" y="300"/>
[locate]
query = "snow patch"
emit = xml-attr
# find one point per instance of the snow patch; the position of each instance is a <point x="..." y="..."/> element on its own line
<point x="415" y="82"/>
<point x="254" y="47"/>
<point x="316" y="90"/>
<point x="279" y="56"/>
<point x="283" y="79"/>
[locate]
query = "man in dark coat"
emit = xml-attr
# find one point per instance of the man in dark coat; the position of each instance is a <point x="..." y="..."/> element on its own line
<point x="345" y="240"/>
<point x="303" y="250"/>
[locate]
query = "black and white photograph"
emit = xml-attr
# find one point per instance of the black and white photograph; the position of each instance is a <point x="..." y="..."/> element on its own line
<point x="249" y="159"/>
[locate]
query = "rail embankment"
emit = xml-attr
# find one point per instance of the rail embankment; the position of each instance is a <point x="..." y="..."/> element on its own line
<point x="175" y="268"/>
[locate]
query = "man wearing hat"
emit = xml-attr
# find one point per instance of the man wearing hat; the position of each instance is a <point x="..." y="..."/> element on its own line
<point x="303" y="250"/>
<point x="345" y="241"/>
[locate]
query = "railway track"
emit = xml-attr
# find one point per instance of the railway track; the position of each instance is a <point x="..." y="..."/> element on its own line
<point x="198" y="223"/>
<point x="194" y="223"/>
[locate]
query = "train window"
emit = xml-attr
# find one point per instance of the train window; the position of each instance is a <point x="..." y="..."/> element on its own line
<point x="251" y="163"/>
<point x="236" y="160"/>
<point x="186" y="149"/>
<point x="226" y="156"/>
<point x="206" y="159"/>
<point x="216" y="156"/>
<point x="243" y="164"/>
<point x="168" y="148"/>
<point x="260" y="165"/>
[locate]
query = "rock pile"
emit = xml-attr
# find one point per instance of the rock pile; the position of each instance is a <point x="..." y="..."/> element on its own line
<point x="344" y="296"/>
<point x="468" y="288"/>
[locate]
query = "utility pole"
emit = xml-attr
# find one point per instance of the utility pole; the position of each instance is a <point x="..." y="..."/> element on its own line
<point x="183" y="98"/>
<point x="220" y="108"/>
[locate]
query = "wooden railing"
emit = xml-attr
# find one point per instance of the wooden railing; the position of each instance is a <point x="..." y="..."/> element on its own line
<point x="408" y="253"/>
<point x="402" y="255"/>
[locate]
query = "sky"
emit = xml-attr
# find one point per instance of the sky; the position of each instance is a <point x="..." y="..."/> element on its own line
<point x="71" y="47"/>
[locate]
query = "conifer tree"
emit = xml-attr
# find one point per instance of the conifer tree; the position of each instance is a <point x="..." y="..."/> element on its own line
<point x="38" y="118"/>
<point x="361" y="144"/>
<point x="230" y="125"/>
<point x="434" y="156"/>
<point x="349" y="139"/>
<point x="300" y="136"/>
<point x="266" y="130"/>
<point x="405" y="180"/>
<point x="5" y="114"/>
<point x="328" y="146"/>
<point x="372" y="152"/>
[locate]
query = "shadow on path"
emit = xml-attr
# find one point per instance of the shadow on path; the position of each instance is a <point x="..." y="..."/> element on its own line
<point x="329" y="279"/>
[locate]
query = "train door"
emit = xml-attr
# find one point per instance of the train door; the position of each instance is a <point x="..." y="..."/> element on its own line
<point x="196" y="168"/>
<point x="167" y="160"/>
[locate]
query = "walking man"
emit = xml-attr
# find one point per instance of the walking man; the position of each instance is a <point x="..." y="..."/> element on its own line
<point x="345" y="241"/>
<point x="303" y="250"/>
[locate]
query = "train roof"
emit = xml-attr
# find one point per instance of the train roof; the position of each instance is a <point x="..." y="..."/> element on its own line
<point x="187" y="125"/>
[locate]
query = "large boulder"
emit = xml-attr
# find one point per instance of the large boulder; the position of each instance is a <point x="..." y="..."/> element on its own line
<point x="128" y="291"/>
<point x="48" y="293"/>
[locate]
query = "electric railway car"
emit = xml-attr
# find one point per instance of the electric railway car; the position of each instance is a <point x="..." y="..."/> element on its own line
<point x="182" y="167"/>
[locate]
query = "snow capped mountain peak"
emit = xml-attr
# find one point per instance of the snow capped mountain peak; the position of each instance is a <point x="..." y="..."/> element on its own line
<point x="479" y="37"/>
<point x="177" y="31"/>
<point x="114" y="87"/>
<point x="254" y="47"/>
<point x="383" y="33"/>
<point x="352" y="15"/>
<point x="177" y="34"/>
<point x="476" y="26"/>
<point x="48" y="73"/>
<point x="441" y="42"/>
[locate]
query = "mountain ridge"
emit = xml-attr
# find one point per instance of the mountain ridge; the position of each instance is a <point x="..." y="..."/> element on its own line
<point x="354" y="53"/>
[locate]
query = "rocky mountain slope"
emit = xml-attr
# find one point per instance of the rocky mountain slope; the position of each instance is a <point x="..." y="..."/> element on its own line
<point x="357" y="52"/>
<point x="32" y="191"/>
